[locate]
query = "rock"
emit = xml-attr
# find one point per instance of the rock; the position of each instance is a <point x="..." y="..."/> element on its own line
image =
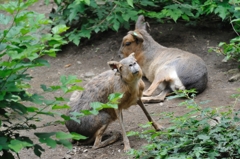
<point x="89" y="74"/>
<point x="67" y="156"/>
<point x="233" y="71"/>
<point x="234" y="77"/>
<point x="213" y="122"/>
<point x="79" y="62"/>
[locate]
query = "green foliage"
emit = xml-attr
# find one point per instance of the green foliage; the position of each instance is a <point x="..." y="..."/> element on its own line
<point x="22" y="44"/>
<point x="199" y="133"/>
<point x="97" y="106"/>
<point x="87" y="17"/>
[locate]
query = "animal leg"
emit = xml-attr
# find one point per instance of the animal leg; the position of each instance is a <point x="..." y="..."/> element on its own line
<point x="154" y="123"/>
<point x="98" y="139"/>
<point x="125" y="138"/>
<point x="155" y="84"/>
<point x="156" y="99"/>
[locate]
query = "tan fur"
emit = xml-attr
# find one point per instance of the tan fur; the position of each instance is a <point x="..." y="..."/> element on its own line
<point x="126" y="80"/>
<point x="169" y="69"/>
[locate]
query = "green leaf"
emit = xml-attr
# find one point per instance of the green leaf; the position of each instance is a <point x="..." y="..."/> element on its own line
<point x="32" y="109"/>
<point x="109" y="105"/>
<point x="44" y="135"/>
<point x="203" y="137"/>
<point x="87" y="2"/>
<point x="20" y="108"/>
<point x="185" y="17"/>
<point x="17" y="145"/>
<point x="55" y="107"/>
<point x="50" y="142"/>
<point x="130" y="2"/>
<point x="66" y="143"/>
<point x="58" y="29"/>
<point x="4" y="19"/>
<point x="114" y="97"/>
<point x="116" y="25"/>
<point x="45" y="89"/>
<point x="221" y="11"/>
<point x="3" y="143"/>
<point x="77" y="136"/>
<point x="62" y="135"/>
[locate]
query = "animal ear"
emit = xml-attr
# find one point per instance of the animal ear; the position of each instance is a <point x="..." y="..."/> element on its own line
<point x="136" y="35"/>
<point x="114" y="65"/>
<point x="141" y="24"/>
<point x="132" y="54"/>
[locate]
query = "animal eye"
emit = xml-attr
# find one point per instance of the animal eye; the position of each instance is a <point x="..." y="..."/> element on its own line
<point x="128" y="43"/>
<point x="134" y="63"/>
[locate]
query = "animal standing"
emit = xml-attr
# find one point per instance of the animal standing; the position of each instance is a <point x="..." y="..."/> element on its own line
<point x="125" y="77"/>
<point x="168" y="69"/>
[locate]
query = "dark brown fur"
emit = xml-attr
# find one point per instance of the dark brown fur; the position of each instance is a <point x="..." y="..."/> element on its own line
<point x="169" y="69"/>
<point x="126" y="80"/>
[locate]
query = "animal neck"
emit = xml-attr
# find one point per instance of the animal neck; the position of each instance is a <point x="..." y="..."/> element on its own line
<point x="131" y="87"/>
<point x="149" y="49"/>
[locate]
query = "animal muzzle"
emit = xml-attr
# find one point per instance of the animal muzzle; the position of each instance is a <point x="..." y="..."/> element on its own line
<point x="120" y="54"/>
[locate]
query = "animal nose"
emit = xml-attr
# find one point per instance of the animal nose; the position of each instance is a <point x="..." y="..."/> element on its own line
<point x="120" y="55"/>
<point x="135" y="72"/>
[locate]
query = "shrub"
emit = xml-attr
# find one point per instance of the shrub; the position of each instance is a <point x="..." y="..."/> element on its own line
<point x="22" y="44"/>
<point x="200" y="133"/>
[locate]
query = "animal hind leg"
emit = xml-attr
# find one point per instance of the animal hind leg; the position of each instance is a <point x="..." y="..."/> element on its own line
<point x="99" y="134"/>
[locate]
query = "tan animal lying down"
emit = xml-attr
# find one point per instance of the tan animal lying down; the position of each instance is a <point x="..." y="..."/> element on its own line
<point x="168" y="69"/>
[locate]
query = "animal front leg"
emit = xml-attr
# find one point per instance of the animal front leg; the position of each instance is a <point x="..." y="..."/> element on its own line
<point x="154" y="123"/>
<point x="155" y="84"/>
<point x="125" y="138"/>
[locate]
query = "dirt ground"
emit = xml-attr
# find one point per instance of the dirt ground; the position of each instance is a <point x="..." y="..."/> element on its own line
<point x="91" y="57"/>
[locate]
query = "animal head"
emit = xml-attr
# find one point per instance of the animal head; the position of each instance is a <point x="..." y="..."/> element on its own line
<point x="133" y="41"/>
<point x="127" y="68"/>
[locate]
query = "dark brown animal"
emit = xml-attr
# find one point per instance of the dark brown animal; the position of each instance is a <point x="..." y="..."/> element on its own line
<point x="169" y="69"/>
<point x="125" y="77"/>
